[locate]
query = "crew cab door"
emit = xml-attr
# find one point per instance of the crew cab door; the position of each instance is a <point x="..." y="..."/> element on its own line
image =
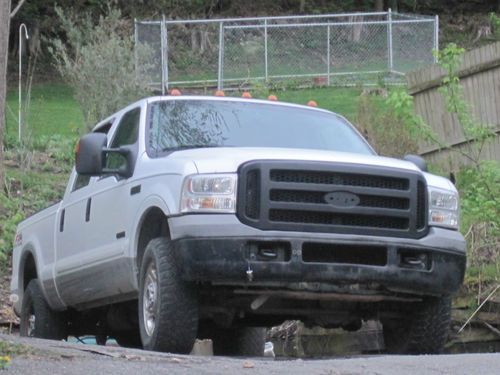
<point x="70" y="234"/>
<point x="97" y="267"/>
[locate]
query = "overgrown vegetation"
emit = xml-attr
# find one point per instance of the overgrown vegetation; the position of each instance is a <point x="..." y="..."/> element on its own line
<point x="9" y="349"/>
<point x="34" y="187"/>
<point x="478" y="180"/>
<point x="98" y="61"/>
<point x="383" y="127"/>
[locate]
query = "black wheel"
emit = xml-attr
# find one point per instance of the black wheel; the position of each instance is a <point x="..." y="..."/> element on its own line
<point x="245" y="341"/>
<point x="423" y="331"/>
<point x="129" y="339"/>
<point x="168" y="306"/>
<point x="38" y="319"/>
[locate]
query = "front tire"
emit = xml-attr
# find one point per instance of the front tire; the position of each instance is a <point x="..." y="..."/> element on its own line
<point x="423" y="331"/>
<point x="168" y="306"/>
<point x="38" y="319"/>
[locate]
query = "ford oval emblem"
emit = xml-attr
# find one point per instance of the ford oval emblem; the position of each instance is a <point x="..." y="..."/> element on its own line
<point x="342" y="199"/>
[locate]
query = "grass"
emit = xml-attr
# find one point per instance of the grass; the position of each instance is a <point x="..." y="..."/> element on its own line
<point x="8" y="348"/>
<point x="52" y="111"/>
<point x="340" y="100"/>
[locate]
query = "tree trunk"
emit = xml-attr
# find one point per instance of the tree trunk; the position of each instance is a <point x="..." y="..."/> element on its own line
<point x="302" y="6"/>
<point x="4" y="53"/>
<point x="379" y="5"/>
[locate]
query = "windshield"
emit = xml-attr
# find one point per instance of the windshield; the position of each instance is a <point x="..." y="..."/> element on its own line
<point x="180" y="124"/>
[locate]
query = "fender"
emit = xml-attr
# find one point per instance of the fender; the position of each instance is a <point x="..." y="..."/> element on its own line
<point x="43" y="274"/>
<point x="151" y="202"/>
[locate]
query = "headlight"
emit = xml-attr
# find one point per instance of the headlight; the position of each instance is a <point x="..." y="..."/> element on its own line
<point x="443" y="208"/>
<point x="209" y="193"/>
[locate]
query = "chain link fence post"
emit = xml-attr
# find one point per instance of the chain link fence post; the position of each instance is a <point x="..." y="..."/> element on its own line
<point x="389" y="39"/>
<point x="436" y="37"/>
<point x="136" y="42"/>
<point x="164" y="61"/>
<point x="328" y="54"/>
<point x="266" y="75"/>
<point x="220" y="77"/>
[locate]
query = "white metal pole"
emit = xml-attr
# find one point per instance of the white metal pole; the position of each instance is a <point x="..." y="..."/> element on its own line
<point x="136" y="43"/>
<point x="265" y="49"/>
<point x="20" y="71"/>
<point x="165" y="28"/>
<point x="389" y="35"/>
<point x="162" y="53"/>
<point x="221" y="55"/>
<point x="436" y="37"/>
<point x="328" y="55"/>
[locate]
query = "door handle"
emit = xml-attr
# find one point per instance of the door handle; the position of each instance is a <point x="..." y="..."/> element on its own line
<point x="61" y="221"/>
<point x="87" y="211"/>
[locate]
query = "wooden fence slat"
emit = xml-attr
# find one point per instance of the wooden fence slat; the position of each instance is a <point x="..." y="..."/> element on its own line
<point x="480" y="73"/>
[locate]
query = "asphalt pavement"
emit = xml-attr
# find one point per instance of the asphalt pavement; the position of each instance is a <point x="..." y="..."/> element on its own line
<point x="52" y="358"/>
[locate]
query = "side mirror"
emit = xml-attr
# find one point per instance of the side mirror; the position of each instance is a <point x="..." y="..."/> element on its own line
<point x="91" y="156"/>
<point x="418" y="161"/>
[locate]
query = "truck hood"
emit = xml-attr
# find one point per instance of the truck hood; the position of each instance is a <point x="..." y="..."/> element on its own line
<point x="228" y="159"/>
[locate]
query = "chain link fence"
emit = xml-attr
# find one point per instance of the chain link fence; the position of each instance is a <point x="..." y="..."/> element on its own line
<point x="335" y="49"/>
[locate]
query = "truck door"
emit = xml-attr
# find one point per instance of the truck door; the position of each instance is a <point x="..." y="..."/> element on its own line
<point x="70" y="233"/>
<point x="103" y="269"/>
<point x="114" y="205"/>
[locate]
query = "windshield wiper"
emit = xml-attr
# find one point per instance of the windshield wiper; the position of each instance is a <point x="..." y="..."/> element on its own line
<point x="187" y="147"/>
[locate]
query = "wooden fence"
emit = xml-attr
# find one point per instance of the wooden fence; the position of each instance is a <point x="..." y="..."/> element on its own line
<point x="480" y="77"/>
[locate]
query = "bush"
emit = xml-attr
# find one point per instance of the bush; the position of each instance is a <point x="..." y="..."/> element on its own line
<point x="98" y="61"/>
<point x="384" y="129"/>
<point x="478" y="180"/>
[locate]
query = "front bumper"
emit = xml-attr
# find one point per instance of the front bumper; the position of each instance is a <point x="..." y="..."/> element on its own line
<point x="228" y="258"/>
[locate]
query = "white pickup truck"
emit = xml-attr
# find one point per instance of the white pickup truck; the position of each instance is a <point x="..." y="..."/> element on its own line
<point x="214" y="217"/>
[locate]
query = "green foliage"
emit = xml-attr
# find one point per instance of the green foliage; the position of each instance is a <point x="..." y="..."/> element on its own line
<point x="480" y="187"/>
<point x="98" y="61"/>
<point x="10" y="215"/>
<point x="10" y="349"/>
<point x="479" y="182"/>
<point x="32" y="189"/>
<point x="495" y="23"/>
<point x="384" y="128"/>
<point x="401" y="104"/>
<point x="478" y="179"/>
<point x="450" y="59"/>
<point x="59" y="148"/>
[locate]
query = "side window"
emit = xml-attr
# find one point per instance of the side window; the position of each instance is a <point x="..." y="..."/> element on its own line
<point x="126" y="134"/>
<point x="81" y="181"/>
